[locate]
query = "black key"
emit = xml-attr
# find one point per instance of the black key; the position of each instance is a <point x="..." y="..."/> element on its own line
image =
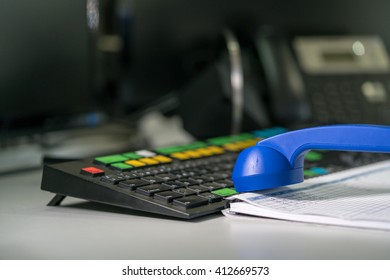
<point x="219" y="175"/>
<point x="133" y="184"/>
<point x="202" y="179"/>
<point x="152" y="170"/>
<point x="183" y="173"/>
<point x="174" y="167"/>
<point x="129" y="175"/>
<point x="212" y="186"/>
<point x="190" y="201"/>
<point x="143" y="173"/>
<point x="167" y="196"/>
<point x="174" y="185"/>
<point x="184" y="191"/>
<point x="198" y="189"/>
<point x="204" y="170"/>
<point x="152" y="179"/>
<point x="158" y="170"/>
<point x="229" y="158"/>
<point x="214" y="168"/>
<point x="167" y="176"/>
<point x="228" y="173"/>
<point x="226" y="166"/>
<point x="197" y="171"/>
<point x="211" y="197"/>
<point x="225" y="183"/>
<point x="189" y="165"/>
<point x="150" y="190"/>
<point x="112" y="179"/>
<point x="187" y="181"/>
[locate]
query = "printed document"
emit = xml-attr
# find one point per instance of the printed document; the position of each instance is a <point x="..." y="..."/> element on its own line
<point x="358" y="197"/>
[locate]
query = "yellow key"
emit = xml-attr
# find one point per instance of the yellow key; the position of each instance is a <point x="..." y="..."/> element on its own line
<point x="193" y="154"/>
<point x="232" y="147"/>
<point x="249" y="143"/>
<point x="162" y="159"/>
<point x="180" y="156"/>
<point x="149" y="161"/>
<point x="135" y="163"/>
<point x="204" y="152"/>
<point x="241" y="145"/>
<point x="216" y="149"/>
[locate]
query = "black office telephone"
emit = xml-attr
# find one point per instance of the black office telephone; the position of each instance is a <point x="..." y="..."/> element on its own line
<point x="298" y="80"/>
<point x="327" y="79"/>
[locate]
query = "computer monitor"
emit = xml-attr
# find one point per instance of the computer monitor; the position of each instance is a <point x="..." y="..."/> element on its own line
<point x="45" y="65"/>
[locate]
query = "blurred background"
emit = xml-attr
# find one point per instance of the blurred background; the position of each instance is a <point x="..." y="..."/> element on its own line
<point x="88" y="77"/>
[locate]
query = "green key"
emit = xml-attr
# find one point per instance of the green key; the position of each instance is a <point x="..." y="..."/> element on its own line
<point x="219" y="141"/>
<point x="194" y="145"/>
<point x="121" y="166"/>
<point x="169" y="150"/>
<point x="230" y="139"/>
<point x="309" y="173"/>
<point x="111" y="159"/>
<point x="131" y="156"/>
<point x="224" y="192"/>
<point x="313" y="156"/>
<point x="182" y="148"/>
<point x="242" y="136"/>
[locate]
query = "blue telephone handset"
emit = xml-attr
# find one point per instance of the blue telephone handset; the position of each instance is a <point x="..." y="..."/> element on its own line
<point x="279" y="160"/>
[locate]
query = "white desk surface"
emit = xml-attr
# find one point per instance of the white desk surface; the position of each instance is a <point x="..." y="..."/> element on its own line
<point x="84" y="230"/>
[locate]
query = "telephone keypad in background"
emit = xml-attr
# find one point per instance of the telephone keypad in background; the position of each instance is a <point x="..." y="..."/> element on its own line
<point x="342" y="101"/>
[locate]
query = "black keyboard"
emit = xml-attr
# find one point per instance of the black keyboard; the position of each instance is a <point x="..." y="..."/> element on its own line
<point x="185" y="181"/>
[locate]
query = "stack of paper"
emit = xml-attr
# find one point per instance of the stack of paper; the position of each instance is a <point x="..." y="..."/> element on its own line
<point x="358" y="197"/>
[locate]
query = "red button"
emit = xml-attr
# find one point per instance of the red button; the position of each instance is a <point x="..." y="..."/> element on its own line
<point x="92" y="171"/>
